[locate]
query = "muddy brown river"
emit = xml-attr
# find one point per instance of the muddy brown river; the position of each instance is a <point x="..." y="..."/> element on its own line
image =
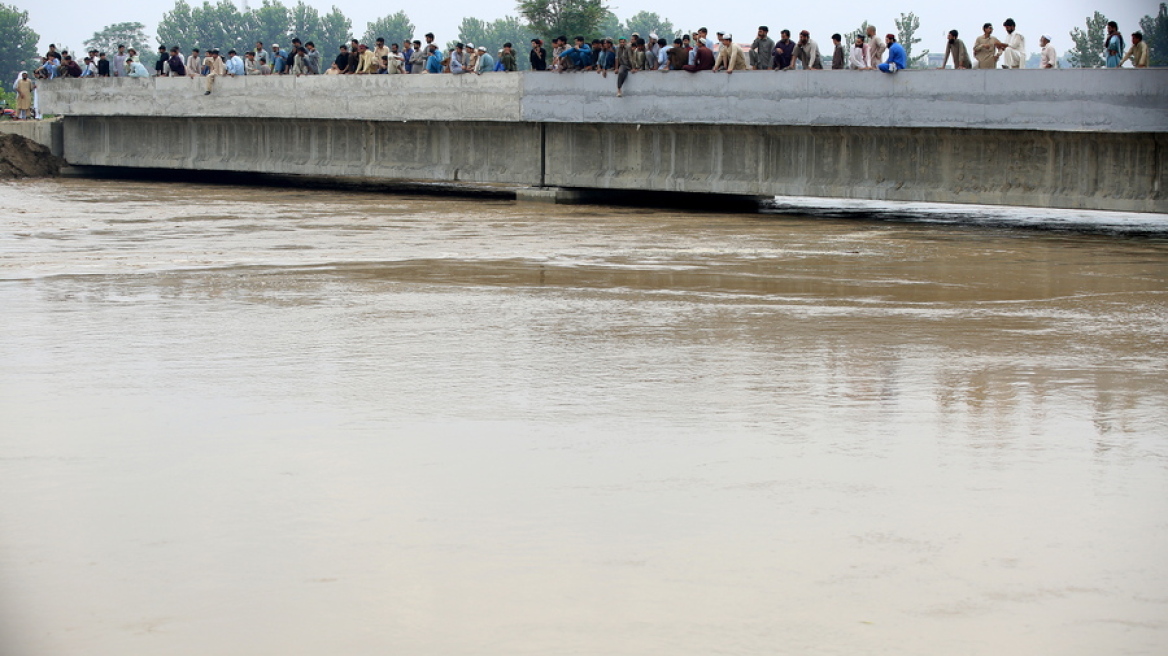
<point x="281" y="421"/>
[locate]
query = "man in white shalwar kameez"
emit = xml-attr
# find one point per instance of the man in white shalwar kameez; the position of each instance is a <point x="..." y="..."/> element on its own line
<point x="1014" y="49"/>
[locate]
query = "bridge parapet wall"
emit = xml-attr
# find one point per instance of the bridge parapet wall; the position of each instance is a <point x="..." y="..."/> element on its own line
<point x="1058" y="100"/>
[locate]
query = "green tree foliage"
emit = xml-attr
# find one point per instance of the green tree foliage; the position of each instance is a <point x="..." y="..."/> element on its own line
<point x="394" y="28"/>
<point x="1155" y="29"/>
<point x="1088" y="50"/>
<point x="18" y="43"/>
<point x="269" y="24"/>
<point x="223" y="25"/>
<point x="906" y="29"/>
<point x="131" y="35"/>
<point x="850" y="37"/>
<point x="610" y="26"/>
<point x="335" y="29"/>
<point x="646" y="23"/>
<point x="550" y="18"/>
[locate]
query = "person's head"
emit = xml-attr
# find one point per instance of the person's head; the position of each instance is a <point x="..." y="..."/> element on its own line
<point x="429" y="37"/>
<point x="52" y="47"/>
<point x="101" y="55"/>
<point x="702" y="32"/>
<point x="536" y="43"/>
<point x="24" y="75"/>
<point x="250" y="54"/>
<point x="417" y="44"/>
<point x="68" y="58"/>
<point x="275" y="47"/>
<point x="121" y="48"/>
<point x="579" y="41"/>
<point x="482" y="50"/>
<point x="804" y="37"/>
<point x="295" y="43"/>
<point x="259" y="45"/>
<point x="231" y="53"/>
<point x="952" y="35"/>
<point x="661" y="43"/>
<point x="1043" y="40"/>
<point x="458" y="47"/>
<point x="1009" y="25"/>
<point x="133" y="53"/>
<point x="1137" y="37"/>
<point x="859" y="40"/>
<point x="1112" y="27"/>
<point x="988" y="29"/>
<point x="393" y="47"/>
<point x="676" y="42"/>
<point x="194" y="51"/>
<point x="385" y="60"/>
<point x="174" y="50"/>
<point x="871" y="31"/>
<point x="129" y="60"/>
<point x="786" y="34"/>
<point x="310" y="45"/>
<point x="361" y="48"/>
<point x="380" y="42"/>
<point x="837" y="39"/>
<point x="507" y="47"/>
<point x="161" y="48"/>
<point x="432" y="48"/>
<point x="622" y="41"/>
<point x="685" y="39"/>
<point x="763" y="30"/>
<point x="889" y="39"/>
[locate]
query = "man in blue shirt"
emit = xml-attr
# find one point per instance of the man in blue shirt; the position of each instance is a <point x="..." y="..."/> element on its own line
<point x="434" y="61"/>
<point x="896" y="56"/>
<point x="578" y="58"/>
<point x="235" y="64"/>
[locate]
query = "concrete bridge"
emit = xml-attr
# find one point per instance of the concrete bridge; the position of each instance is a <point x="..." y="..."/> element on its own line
<point x="1063" y="138"/>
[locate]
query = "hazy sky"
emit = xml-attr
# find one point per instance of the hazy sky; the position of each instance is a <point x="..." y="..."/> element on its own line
<point x="741" y="18"/>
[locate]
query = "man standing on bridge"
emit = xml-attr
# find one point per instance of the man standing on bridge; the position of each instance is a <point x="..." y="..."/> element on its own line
<point x="1014" y="49"/>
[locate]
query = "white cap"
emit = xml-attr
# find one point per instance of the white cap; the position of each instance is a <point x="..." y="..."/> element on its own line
<point x="1047" y="37"/>
<point x="470" y="45"/>
<point x="483" y="48"/>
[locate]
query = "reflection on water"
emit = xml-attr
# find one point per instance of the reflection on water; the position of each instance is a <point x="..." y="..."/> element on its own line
<point x="264" y="421"/>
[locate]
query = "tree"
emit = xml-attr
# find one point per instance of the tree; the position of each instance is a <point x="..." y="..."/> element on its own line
<point x="18" y="43"/>
<point x="570" y="18"/>
<point x="1088" y="50"/>
<point x="1155" y="29"/>
<point x="131" y="35"/>
<point x="269" y="24"/>
<point x="850" y="37"/>
<point x="610" y="26"/>
<point x="304" y="23"/>
<point x="906" y="29"/>
<point x="394" y="28"/>
<point x="335" y="29"/>
<point x="645" y="23"/>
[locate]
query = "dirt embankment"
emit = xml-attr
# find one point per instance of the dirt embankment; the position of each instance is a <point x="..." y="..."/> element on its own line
<point x="24" y="158"/>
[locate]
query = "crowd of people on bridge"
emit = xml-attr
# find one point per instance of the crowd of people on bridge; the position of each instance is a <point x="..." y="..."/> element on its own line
<point x="695" y="52"/>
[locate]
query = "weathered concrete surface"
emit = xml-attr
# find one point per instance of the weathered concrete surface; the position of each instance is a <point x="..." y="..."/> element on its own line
<point x="435" y="151"/>
<point x="1125" y="172"/>
<point x="1059" y="100"/>
<point x="48" y="133"/>
<point x="494" y="97"/>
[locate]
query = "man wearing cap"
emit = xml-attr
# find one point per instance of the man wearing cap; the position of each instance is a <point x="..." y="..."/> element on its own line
<point x="896" y="56"/>
<point x="279" y="60"/>
<point x="730" y="56"/>
<point x="486" y="62"/>
<point x="368" y="63"/>
<point x="1014" y="49"/>
<point x="761" y="49"/>
<point x="703" y="59"/>
<point x="1049" y="56"/>
<point x="956" y="48"/>
<point x="806" y="53"/>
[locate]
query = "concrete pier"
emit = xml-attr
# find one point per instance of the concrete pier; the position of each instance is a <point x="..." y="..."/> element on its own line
<point x="1066" y="138"/>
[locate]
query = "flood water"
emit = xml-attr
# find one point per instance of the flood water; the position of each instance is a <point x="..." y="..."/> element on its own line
<point x="260" y="421"/>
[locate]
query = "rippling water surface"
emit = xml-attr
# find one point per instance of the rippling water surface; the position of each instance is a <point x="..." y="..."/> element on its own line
<point x="259" y="421"/>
